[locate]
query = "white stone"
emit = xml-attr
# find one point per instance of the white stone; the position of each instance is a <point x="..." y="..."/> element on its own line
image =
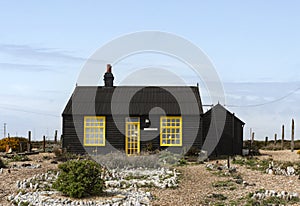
<point x="290" y="171"/>
<point x="270" y="171"/>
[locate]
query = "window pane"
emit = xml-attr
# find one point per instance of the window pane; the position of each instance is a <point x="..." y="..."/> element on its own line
<point x="94" y="128"/>
<point x="171" y="131"/>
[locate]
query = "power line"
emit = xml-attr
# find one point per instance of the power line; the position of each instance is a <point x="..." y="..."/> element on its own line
<point x="27" y="111"/>
<point x="265" y="103"/>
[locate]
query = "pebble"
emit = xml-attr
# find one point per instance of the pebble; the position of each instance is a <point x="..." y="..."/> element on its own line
<point x="271" y="193"/>
<point x="289" y="171"/>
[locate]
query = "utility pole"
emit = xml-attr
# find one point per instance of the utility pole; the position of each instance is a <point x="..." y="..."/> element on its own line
<point x="4" y="130"/>
<point x="282" y="137"/>
<point x="293" y="135"/>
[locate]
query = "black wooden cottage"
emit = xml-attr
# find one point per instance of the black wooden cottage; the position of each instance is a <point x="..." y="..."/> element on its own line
<point x="101" y="119"/>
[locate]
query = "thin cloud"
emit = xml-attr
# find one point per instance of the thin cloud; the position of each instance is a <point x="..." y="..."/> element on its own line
<point x="25" y="67"/>
<point x="48" y="54"/>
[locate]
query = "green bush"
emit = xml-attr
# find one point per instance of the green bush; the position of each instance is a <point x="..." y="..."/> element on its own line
<point x="20" y="158"/>
<point x="80" y="178"/>
<point x="2" y="164"/>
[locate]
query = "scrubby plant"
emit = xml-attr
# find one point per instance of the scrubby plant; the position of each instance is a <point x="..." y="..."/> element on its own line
<point x="57" y="151"/>
<point x="20" y="158"/>
<point x="13" y="142"/>
<point x="169" y="158"/>
<point x="252" y="163"/>
<point x="2" y="163"/>
<point x="121" y="160"/>
<point x="182" y="162"/>
<point x="80" y="178"/>
<point x="66" y="156"/>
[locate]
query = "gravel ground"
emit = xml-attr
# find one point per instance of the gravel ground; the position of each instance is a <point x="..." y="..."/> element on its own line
<point x="280" y="155"/>
<point x="8" y="180"/>
<point x="196" y="184"/>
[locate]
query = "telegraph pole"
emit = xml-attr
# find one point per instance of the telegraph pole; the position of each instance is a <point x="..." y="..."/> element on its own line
<point x="4" y="130"/>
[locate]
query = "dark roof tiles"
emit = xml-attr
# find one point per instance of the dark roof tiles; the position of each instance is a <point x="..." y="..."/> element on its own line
<point x="174" y="100"/>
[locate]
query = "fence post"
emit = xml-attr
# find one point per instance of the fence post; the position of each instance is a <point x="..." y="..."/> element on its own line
<point x="292" y="138"/>
<point x="275" y="139"/>
<point x="266" y="141"/>
<point x="282" y="137"/>
<point x="55" y="137"/>
<point x="44" y="143"/>
<point x="21" y="147"/>
<point x="29" y="142"/>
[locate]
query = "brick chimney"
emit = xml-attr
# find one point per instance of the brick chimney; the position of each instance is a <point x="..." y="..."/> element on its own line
<point x="108" y="77"/>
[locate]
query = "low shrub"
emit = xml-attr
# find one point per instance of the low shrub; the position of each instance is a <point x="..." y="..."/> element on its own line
<point x="80" y="178"/>
<point x="182" y="162"/>
<point x="2" y="164"/>
<point x="66" y="156"/>
<point x="169" y="158"/>
<point x="57" y="151"/>
<point x="252" y="163"/>
<point x="121" y="160"/>
<point x="13" y="142"/>
<point x="144" y="160"/>
<point x="20" y="158"/>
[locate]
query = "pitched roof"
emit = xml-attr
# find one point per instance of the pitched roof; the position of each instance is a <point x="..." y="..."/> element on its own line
<point x="135" y="100"/>
<point x="220" y="107"/>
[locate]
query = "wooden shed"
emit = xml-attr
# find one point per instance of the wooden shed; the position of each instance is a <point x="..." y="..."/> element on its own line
<point x="231" y="139"/>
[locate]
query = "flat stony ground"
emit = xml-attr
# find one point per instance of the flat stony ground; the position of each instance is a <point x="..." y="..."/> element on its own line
<point x="8" y="180"/>
<point x="195" y="186"/>
<point x="196" y="183"/>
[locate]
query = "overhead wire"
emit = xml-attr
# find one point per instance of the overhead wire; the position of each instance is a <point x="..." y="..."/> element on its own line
<point x="266" y="103"/>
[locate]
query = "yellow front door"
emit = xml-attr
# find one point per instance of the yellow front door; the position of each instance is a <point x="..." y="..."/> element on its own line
<point x="132" y="143"/>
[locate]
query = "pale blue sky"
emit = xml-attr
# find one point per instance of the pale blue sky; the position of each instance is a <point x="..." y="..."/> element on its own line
<point x="254" y="45"/>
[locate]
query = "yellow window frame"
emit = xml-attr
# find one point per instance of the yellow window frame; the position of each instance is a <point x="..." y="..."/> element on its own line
<point x="170" y="131"/>
<point x="132" y="143"/>
<point x="94" y="130"/>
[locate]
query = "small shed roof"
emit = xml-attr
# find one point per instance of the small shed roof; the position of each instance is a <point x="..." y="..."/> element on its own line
<point x="220" y="107"/>
<point x="135" y="100"/>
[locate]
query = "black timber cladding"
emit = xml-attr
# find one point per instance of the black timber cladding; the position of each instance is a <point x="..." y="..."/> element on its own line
<point x="179" y="101"/>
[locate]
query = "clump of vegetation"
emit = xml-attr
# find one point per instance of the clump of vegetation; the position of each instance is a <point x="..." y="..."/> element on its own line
<point x="121" y="160"/>
<point x="252" y="163"/>
<point x="225" y="184"/>
<point x="169" y="158"/>
<point x="66" y="156"/>
<point x="20" y="158"/>
<point x="80" y="178"/>
<point x="181" y="162"/>
<point x="218" y="196"/>
<point x="13" y="142"/>
<point x="57" y="151"/>
<point x="2" y="164"/>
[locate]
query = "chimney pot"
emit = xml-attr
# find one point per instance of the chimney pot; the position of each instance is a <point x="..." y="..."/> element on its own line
<point x="108" y="68"/>
<point x="108" y="77"/>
